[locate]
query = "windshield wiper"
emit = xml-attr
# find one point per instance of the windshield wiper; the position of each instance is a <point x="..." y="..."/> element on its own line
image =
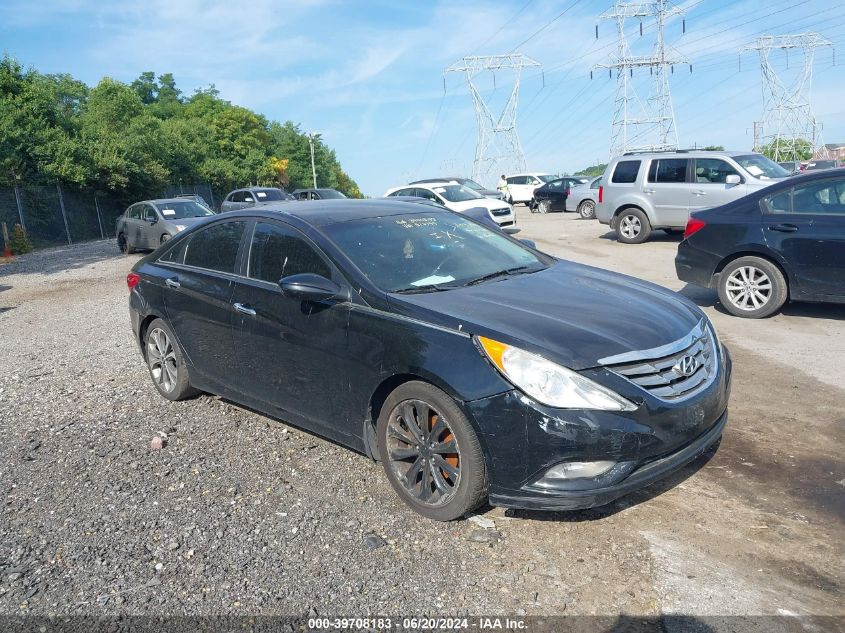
<point x="496" y="275"/>
<point x="414" y="290"/>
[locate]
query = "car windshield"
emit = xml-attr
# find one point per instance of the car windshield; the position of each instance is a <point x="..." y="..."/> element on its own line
<point x="457" y="193"/>
<point x="330" y="193"/>
<point x="761" y="167"/>
<point x="430" y="251"/>
<point x="472" y="185"/>
<point x="179" y="209"/>
<point x="269" y="195"/>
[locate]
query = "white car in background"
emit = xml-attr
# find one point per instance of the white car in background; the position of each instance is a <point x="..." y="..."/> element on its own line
<point x="521" y="186"/>
<point x="457" y="197"/>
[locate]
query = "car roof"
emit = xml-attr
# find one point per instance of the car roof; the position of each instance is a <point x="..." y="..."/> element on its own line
<point x="426" y="185"/>
<point x="326" y="212"/>
<point x="426" y="181"/>
<point x="159" y="201"/>
<point x="686" y="153"/>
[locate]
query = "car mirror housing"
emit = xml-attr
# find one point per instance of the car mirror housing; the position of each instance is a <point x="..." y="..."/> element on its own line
<point x="529" y="243"/>
<point x="732" y="179"/>
<point x="308" y="287"/>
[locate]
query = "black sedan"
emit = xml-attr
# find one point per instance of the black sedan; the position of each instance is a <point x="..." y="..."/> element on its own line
<point x="784" y="242"/>
<point x="552" y="196"/>
<point x="471" y="365"/>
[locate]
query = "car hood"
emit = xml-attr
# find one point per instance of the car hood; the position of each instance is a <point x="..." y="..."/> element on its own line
<point x="569" y="313"/>
<point x="487" y="203"/>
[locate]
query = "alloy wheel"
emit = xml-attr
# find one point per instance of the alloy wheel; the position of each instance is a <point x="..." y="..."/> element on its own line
<point x="423" y="452"/>
<point x="630" y="226"/>
<point x="587" y="209"/>
<point x="748" y="288"/>
<point x="161" y="357"/>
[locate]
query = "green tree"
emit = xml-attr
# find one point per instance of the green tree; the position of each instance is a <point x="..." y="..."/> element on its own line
<point x="592" y="171"/>
<point x="787" y="149"/>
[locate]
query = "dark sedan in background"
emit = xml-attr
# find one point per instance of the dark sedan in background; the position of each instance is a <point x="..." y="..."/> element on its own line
<point x="552" y="195"/>
<point x="469" y="364"/>
<point x="784" y="242"/>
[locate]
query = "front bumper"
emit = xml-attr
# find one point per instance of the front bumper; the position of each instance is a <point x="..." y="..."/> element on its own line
<point x="643" y="476"/>
<point x="523" y="440"/>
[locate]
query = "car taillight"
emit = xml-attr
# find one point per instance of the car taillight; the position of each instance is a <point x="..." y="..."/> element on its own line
<point x="693" y="226"/>
<point x="132" y="280"/>
<point x="601" y="193"/>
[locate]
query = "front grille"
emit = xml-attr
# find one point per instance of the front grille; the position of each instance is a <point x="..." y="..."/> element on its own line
<point x="673" y="371"/>
<point x="500" y="212"/>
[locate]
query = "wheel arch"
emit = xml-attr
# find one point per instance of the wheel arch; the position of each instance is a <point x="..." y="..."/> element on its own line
<point x="142" y="331"/>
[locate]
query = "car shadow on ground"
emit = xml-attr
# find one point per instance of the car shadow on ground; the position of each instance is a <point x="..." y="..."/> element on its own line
<point x="709" y="298"/>
<point x="658" y="235"/>
<point x="60" y="259"/>
<point x="634" y="498"/>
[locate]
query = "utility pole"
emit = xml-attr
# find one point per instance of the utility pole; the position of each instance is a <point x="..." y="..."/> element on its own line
<point x="313" y="168"/>
<point x="788" y="122"/>
<point x="639" y="125"/>
<point x="498" y="149"/>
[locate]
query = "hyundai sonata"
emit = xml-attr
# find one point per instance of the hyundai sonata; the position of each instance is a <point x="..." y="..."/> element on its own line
<point x="472" y="366"/>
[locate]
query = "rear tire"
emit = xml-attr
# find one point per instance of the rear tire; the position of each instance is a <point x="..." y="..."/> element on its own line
<point x="430" y="452"/>
<point x="587" y="209"/>
<point x="166" y="362"/>
<point x="752" y="287"/>
<point x="632" y="226"/>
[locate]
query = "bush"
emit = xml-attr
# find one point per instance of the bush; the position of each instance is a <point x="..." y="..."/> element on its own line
<point x="19" y="242"/>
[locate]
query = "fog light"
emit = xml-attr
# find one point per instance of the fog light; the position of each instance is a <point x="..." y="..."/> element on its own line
<point x="578" y="470"/>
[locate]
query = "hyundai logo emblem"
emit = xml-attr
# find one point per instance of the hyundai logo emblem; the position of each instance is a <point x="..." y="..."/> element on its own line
<point x="686" y="366"/>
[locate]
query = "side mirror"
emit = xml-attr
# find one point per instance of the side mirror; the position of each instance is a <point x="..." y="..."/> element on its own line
<point x="529" y="243"/>
<point x="152" y="220"/>
<point x="308" y="287"/>
<point x="732" y="179"/>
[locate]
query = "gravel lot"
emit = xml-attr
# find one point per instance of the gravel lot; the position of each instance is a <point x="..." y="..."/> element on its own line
<point x="239" y="514"/>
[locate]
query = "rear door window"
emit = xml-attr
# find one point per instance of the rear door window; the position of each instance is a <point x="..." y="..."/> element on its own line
<point x="216" y="247"/>
<point x="279" y="251"/>
<point x="821" y="197"/>
<point x="668" y="170"/>
<point x="626" y="171"/>
<point x="779" y="202"/>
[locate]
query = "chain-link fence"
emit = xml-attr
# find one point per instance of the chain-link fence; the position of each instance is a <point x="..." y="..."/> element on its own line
<point x="52" y="213"/>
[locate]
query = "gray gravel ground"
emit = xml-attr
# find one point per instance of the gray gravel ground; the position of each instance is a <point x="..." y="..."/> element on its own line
<point x="239" y="514"/>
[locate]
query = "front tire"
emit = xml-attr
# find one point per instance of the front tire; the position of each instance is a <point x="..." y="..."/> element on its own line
<point x="752" y="287"/>
<point x="544" y="206"/>
<point x="632" y="227"/>
<point x="166" y="363"/>
<point x="587" y="209"/>
<point x="123" y="245"/>
<point x="164" y="238"/>
<point x="430" y="452"/>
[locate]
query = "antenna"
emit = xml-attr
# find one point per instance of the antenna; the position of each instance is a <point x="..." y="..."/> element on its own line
<point x="788" y="124"/>
<point x="498" y="149"/>
<point x="638" y="125"/>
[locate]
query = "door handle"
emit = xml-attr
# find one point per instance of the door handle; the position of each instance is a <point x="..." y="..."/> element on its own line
<point x="243" y="309"/>
<point x="172" y="282"/>
<point x="699" y="192"/>
<point x="648" y="190"/>
<point x="784" y="228"/>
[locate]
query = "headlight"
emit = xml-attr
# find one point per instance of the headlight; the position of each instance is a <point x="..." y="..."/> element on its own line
<point x="181" y="227"/>
<point x="549" y="383"/>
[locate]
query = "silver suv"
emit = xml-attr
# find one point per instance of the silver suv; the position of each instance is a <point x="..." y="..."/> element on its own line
<point x="644" y="191"/>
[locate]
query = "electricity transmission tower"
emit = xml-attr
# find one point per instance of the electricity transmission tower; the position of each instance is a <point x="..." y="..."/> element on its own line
<point x="498" y="150"/>
<point x="639" y="125"/>
<point x="788" y="125"/>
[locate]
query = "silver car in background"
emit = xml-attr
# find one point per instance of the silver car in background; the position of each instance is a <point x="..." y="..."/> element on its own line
<point x="149" y="224"/>
<point x="250" y="196"/>
<point x="644" y="191"/>
<point x="583" y="198"/>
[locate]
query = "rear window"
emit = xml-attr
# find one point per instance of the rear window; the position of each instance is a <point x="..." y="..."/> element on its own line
<point x="216" y="248"/>
<point x="626" y="171"/>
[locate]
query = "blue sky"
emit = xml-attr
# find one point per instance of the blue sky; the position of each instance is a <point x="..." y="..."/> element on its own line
<point x="369" y="75"/>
